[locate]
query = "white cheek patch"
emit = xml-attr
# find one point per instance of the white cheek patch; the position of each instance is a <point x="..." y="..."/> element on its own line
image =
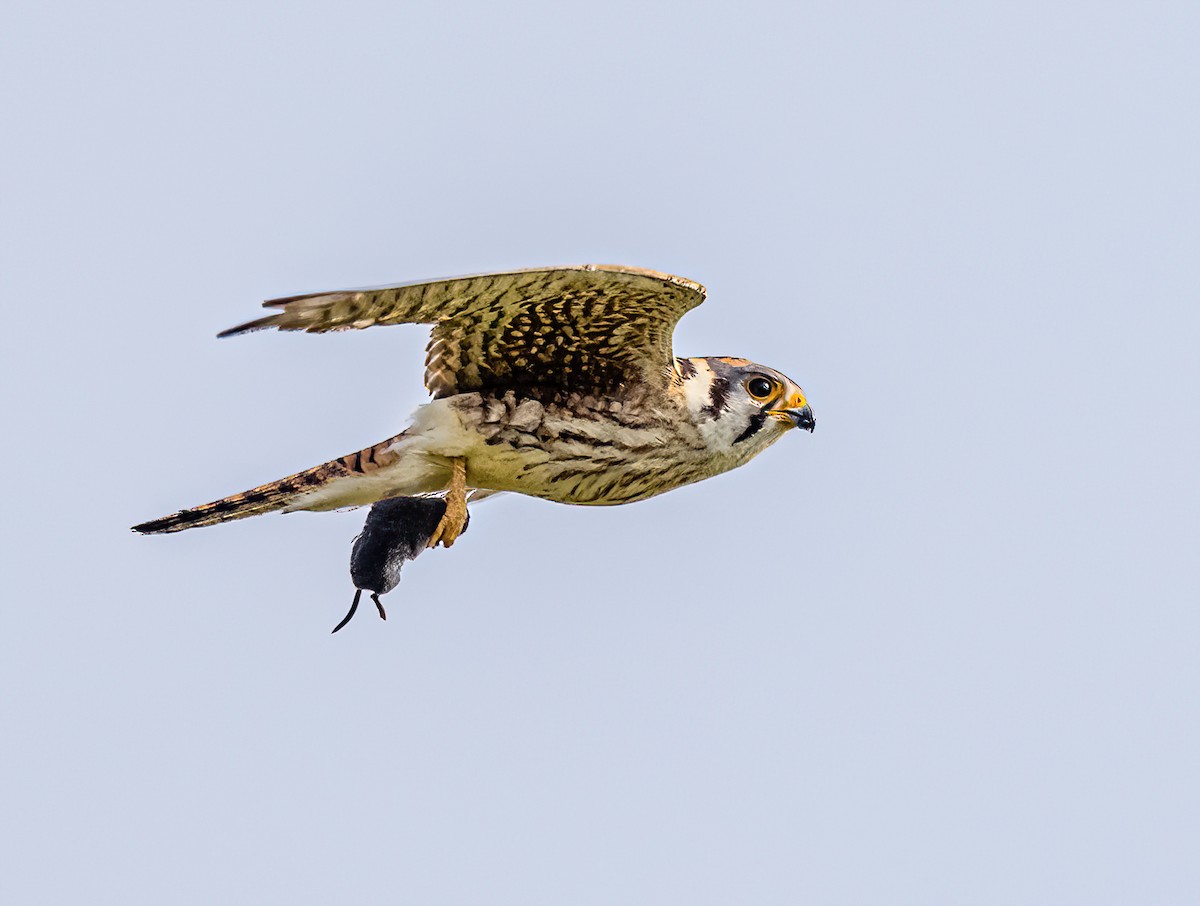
<point x="696" y="388"/>
<point x="720" y="429"/>
<point x="720" y="433"/>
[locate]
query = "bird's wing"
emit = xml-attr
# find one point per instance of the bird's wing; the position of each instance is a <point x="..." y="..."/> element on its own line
<point x="583" y="328"/>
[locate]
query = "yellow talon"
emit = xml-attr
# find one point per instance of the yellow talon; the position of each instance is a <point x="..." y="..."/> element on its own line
<point x="454" y="520"/>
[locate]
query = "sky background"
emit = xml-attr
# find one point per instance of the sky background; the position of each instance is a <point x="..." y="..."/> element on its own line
<point x="941" y="651"/>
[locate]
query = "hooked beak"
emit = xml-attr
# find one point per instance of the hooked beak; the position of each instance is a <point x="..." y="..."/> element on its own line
<point x="800" y="417"/>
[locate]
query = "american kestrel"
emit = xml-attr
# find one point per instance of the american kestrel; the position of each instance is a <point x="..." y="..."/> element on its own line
<point x="556" y="382"/>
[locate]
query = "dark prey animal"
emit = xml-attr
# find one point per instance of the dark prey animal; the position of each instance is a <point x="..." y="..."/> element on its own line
<point x="397" y="529"/>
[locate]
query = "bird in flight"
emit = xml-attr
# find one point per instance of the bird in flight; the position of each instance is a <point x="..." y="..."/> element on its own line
<point x="556" y="382"/>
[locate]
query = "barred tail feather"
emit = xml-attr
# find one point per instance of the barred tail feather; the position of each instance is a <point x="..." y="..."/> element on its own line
<point x="281" y="494"/>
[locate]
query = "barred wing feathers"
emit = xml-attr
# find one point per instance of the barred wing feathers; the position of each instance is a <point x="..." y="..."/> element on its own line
<point x="584" y="328"/>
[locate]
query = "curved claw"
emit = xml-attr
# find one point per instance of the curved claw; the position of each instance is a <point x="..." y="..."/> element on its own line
<point x="454" y="520"/>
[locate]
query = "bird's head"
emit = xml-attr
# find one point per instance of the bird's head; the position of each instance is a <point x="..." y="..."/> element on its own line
<point x="740" y="407"/>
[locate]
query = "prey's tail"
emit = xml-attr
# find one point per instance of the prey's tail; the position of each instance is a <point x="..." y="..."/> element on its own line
<point x="315" y="484"/>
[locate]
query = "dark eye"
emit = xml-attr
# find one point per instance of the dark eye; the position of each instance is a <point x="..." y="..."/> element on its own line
<point x="760" y="388"/>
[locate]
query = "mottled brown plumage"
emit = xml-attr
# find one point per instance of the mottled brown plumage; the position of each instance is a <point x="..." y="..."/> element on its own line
<point x="595" y="326"/>
<point x="558" y="383"/>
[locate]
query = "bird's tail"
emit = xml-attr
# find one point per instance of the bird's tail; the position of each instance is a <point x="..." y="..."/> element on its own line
<point x="285" y="492"/>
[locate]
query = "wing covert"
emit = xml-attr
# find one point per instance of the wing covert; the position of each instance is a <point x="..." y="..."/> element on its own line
<point x="586" y="328"/>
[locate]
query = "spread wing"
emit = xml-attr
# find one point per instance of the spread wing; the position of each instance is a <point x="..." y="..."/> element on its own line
<point x="585" y="328"/>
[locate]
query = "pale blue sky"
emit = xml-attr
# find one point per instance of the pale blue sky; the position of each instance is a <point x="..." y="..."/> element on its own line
<point x="941" y="651"/>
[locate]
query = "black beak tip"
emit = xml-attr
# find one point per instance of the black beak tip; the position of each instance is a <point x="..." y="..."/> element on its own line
<point x="803" y="418"/>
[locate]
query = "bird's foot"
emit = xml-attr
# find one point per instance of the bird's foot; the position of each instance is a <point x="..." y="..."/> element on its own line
<point x="454" y="521"/>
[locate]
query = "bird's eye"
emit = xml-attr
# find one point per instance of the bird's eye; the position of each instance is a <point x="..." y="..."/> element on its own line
<point x="760" y="388"/>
